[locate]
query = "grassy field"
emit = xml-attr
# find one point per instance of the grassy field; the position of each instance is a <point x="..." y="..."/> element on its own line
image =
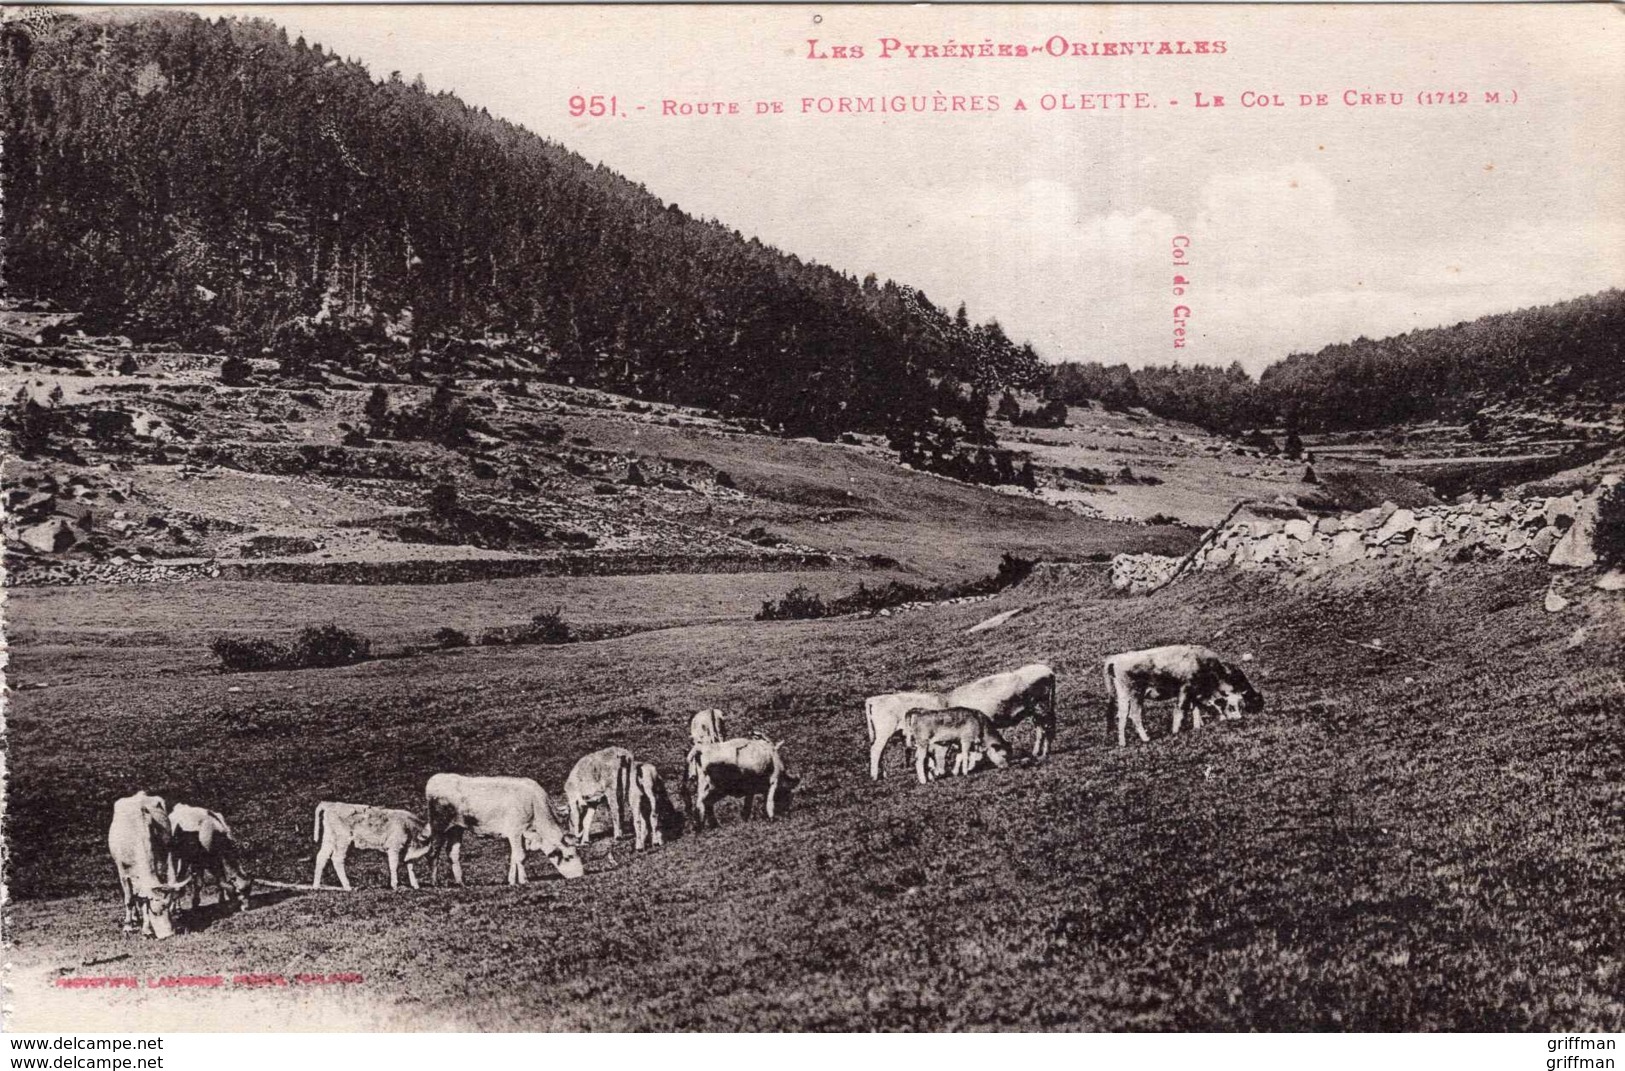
<point x="1390" y="845"/>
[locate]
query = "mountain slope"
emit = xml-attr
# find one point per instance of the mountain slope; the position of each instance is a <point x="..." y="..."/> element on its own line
<point x="209" y="182"/>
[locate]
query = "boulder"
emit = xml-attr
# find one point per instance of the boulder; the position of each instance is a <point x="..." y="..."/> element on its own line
<point x="1544" y="540"/>
<point x="1347" y="547"/>
<point x="1299" y="529"/>
<point x="49" y="537"/>
<point x="1426" y="545"/>
<point x="1402" y="522"/>
<point x="1575" y="549"/>
<point x="1329" y="525"/>
<point x="1612" y="580"/>
<point x="1555" y="602"/>
<point x="1429" y="528"/>
<point x="1376" y="517"/>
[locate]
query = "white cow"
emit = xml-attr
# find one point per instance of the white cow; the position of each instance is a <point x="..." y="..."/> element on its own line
<point x="201" y="843"/>
<point x="745" y="767"/>
<point x="514" y="808"/>
<point x="707" y="727"/>
<point x="400" y="835"/>
<point x="601" y="779"/>
<point x="1006" y="698"/>
<point x="884" y="715"/>
<point x="929" y="732"/>
<point x="1197" y="676"/>
<point x="138" y="841"/>
<point x="649" y="805"/>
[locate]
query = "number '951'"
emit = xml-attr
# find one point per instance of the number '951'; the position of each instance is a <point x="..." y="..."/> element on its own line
<point x="593" y="107"/>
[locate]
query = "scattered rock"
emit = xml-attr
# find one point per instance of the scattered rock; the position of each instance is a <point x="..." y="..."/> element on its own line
<point x="1575" y="549"/>
<point x="1612" y="580"/>
<point x="1555" y="602"/>
<point x="49" y="537"/>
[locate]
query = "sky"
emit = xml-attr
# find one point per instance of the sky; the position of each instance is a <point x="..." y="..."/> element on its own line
<point x="1306" y="225"/>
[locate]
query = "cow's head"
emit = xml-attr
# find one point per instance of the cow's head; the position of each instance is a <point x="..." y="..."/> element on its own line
<point x="419" y="844"/>
<point x="566" y="859"/>
<point x="159" y="909"/>
<point x="788" y="783"/>
<point x="1237" y="695"/>
<point x="996" y="748"/>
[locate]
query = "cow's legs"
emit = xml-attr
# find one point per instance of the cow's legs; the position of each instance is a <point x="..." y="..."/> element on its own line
<point x="516" y="860"/>
<point x="770" y="804"/>
<point x="394" y="857"/>
<point x="745" y="806"/>
<point x="921" y="751"/>
<point x="580" y="820"/>
<point x="338" y="867"/>
<point x="1179" y="709"/>
<point x="321" y="865"/>
<point x="1196" y="715"/>
<point x="877" y="752"/>
<point x="127" y="887"/>
<point x="1139" y="726"/>
<point x="455" y="854"/>
<point x="617" y="813"/>
<point x="412" y="875"/>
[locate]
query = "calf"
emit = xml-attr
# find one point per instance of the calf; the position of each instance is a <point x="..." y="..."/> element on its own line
<point x="201" y="844"/>
<point x="138" y="841"/>
<point x="884" y="716"/>
<point x="1196" y="675"/>
<point x="400" y="835"/>
<point x="514" y="808"/>
<point x="649" y="805"/>
<point x="601" y="779"/>
<point x="972" y="731"/>
<point x="1006" y="698"/>
<point x="707" y="727"/>
<point x="742" y="767"/>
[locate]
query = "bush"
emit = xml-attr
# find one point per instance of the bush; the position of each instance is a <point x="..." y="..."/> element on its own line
<point x="1610" y="536"/>
<point x="450" y="637"/>
<point x="798" y="604"/>
<point x="235" y="371"/>
<point x="321" y="646"/>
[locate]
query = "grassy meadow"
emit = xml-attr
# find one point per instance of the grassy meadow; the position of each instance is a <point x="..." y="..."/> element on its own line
<point x="1391" y="845"/>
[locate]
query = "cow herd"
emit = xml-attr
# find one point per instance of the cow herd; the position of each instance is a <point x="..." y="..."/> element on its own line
<point x="162" y="852"/>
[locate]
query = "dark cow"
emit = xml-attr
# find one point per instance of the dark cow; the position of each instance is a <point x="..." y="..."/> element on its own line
<point x="1197" y="676"/>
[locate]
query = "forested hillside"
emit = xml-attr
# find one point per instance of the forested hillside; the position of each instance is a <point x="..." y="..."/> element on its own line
<point x="1568" y="352"/>
<point x="210" y="183"/>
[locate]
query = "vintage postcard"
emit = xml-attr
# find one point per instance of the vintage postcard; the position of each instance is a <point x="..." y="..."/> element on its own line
<point x="796" y="518"/>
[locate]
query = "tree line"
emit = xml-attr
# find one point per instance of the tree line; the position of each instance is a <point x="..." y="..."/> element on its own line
<point x="1567" y="351"/>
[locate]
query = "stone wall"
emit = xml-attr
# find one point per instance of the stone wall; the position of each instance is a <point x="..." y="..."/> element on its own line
<point x="30" y="573"/>
<point x="1555" y="530"/>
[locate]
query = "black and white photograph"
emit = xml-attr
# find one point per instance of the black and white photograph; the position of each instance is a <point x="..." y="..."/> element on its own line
<point x="794" y="518"/>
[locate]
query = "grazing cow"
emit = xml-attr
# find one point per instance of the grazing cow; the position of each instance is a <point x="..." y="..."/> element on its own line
<point x="1006" y="698"/>
<point x="601" y="779"/>
<point x="742" y="767"/>
<point x="1196" y="675"/>
<point x="515" y="808"/>
<point x="400" y="835"/>
<point x="707" y="727"/>
<point x="200" y="843"/>
<point x="884" y="715"/>
<point x="928" y="731"/>
<point x="138" y="841"/>
<point x="649" y="805"/>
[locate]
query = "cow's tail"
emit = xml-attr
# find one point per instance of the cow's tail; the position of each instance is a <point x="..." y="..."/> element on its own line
<point x="321" y="810"/>
<point x="869" y="718"/>
<point x="1110" y="673"/>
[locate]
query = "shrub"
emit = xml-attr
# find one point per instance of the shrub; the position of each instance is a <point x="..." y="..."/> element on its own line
<point x="330" y="645"/>
<point x="319" y="646"/>
<point x="1610" y="535"/>
<point x="798" y="604"/>
<point x="235" y="371"/>
<point x="450" y="637"/>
